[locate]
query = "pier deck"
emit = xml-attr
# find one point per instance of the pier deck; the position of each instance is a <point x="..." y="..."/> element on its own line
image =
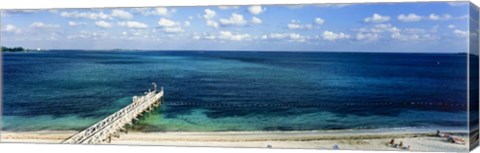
<point x="111" y="126"/>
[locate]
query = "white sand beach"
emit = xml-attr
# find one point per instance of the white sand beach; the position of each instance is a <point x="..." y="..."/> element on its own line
<point x="345" y="140"/>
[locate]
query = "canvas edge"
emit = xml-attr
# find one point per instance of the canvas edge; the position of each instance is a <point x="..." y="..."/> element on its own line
<point x="473" y="143"/>
<point x="470" y="3"/>
<point x="242" y="4"/>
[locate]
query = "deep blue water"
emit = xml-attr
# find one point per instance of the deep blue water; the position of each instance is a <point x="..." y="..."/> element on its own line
<point x="221" y="91"/>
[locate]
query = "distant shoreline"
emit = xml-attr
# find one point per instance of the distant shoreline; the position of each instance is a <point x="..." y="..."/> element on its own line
<point x="17" y="49"/>
<point x="247" y="51"/>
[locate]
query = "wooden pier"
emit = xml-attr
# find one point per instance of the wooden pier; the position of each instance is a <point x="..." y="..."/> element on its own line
<point x="113" y="124"/>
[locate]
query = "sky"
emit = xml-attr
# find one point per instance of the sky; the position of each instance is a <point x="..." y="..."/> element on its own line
<point x="440" y="27"/>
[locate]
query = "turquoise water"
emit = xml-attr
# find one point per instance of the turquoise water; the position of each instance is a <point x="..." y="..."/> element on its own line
<point x="236" y="91"/>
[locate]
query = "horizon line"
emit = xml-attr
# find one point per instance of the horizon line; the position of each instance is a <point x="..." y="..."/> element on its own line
<point x="216" y="50"/>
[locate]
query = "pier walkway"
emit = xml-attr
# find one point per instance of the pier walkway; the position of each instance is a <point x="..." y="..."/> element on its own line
<point x="113" y="124"/>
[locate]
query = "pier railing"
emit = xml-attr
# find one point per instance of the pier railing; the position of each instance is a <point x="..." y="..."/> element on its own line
<point x="110" y="126"/>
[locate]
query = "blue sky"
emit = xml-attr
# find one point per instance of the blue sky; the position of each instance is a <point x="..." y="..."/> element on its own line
<point x="374" y="27"/>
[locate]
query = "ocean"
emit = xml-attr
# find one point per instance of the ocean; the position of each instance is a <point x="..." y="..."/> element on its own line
<point x="236" y="90"/>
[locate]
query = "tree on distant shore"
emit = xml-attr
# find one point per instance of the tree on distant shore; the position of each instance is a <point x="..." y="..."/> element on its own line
<point x="14" y="49"/>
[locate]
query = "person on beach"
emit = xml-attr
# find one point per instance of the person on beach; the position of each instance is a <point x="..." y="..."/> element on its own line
<point x="401" y="144"/>
<point x="335" y="147"/>
<point x="392" y="142"/>
<point x="440" y="134"/>
<point x="457" y="140"/>
<point x="405" y="148"/>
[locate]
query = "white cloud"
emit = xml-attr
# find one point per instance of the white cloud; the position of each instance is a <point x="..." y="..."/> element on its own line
<point x="403" y="37"/>
<point x="294" y="24"/>
<point x="385" y="27"/>
<point x="103" y="24"/>
<point x="213" y="24"/>
<point x="162" y="11"/>
<point x="203" y="35"/>
<point x="133" y="25"/>
<point x="223" y="35"/>
<point x="377" y="18"/>
<point x="256" y="20"/>
<point x="136" y="35"/>
<point x="447" y="17"/>
<point x="43" y="25"/>
<point x="375" y="32"/>
<point x="319" y="21"/>
<point x="173" y="29"/>
<point x="255" y="10"/>
<point x="186" y="23"/>
<point x="413" y="34"/>
<point x="436" y="17"/>
<point x="121" y="14"/>
<point x="414" y="30"/>
<point x="88" y="35"/>
<point x="11" y="29"/>
<point x="167" y="23"/>
<point x="159" y="11"/>
<point x="235" y="19"/>
<point x="198" y="36"/>
<point x="367" y="36"/>
<point x="275" y="36"/>
<point x="209" y="14"/>
<point x="451" y="26"/>
<point x="211" y="37"/>
<point x="228" y="7"/>
<point x="329" y="35"/>
<point x="292" y="37"/>
<point x="409" y="18"/>
<point x="380" y="28"/>
<point x="142" y="11"/>
<point x="227" y="35"/>
<point x="86" y="15"/>
<point x="170" y="26"/>
<point x="460" y="33"/>
<point x="297" y="37"/>
<point x="74" y="24"/>
<point x="378" y="31"/>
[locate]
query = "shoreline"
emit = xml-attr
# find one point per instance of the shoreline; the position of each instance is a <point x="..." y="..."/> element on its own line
<point x="419" y="140"/>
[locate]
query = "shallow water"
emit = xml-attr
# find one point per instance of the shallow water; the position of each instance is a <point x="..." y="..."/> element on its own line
<point x="240" y="91"/>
